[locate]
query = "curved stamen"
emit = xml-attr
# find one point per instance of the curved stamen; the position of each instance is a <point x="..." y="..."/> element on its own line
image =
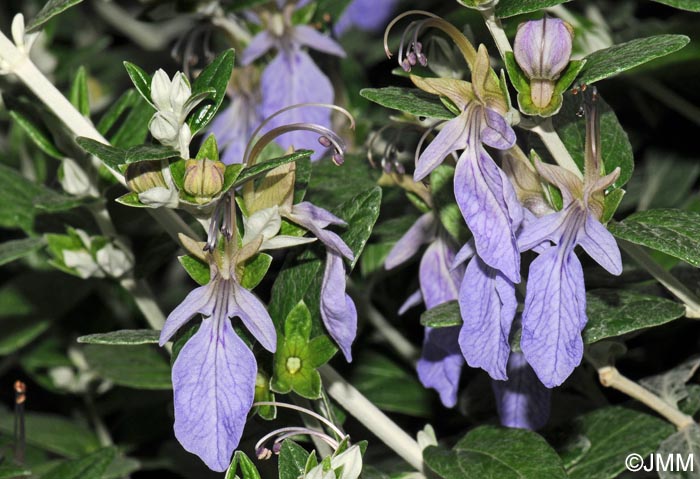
<point x="372" y="140"/>
<point x="396" y="20"/>
<point x="254" y="142"/>
<point x="333" y="139"/>
<point x="307" y="432"/>
<point x="424" y="137"/>
<point x="214" y="223"/>
<point x="308" y="412"/>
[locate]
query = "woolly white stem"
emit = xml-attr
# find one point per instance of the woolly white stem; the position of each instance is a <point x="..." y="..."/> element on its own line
<point x="369" y="415"/>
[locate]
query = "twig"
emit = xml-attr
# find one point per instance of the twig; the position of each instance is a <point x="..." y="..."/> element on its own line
<point x="374" y="419"/>
<point x="610" y="377"/>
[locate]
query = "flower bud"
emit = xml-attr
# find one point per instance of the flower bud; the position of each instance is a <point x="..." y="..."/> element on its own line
<point x="165" y="128"/>
<point x="543" y="49"/>
<point x="145" y="175"/>
<point x="74" y="180"/>
<point x="204" y="179"/>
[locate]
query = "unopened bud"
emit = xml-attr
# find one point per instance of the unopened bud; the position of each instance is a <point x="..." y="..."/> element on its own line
<point x="543" y="49"/>
<point x="204" y="179"/>
<point x="145" y="175"/>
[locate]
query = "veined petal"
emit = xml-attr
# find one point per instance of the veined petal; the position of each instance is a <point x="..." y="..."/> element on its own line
<point x="547" y="228"/>
<point x="312" y="38"/>
<point x="160" y="90"/>
<point x="334" y="243"/>
<point x="441" y="362"/>
<point x="522" y="401"/>
<point x="258" y="46"/>
<point x="451" y="138"/>
<point x="289" y="79"/>
<point x="554" y="315"/>
<point x="570" y="185"/>
<point x="337" y="309"/>
<point x="600" y="245"/>
<point x="465" y="252"/>
<point x="487" y="303"/>
<point x="438" y="283"/>
<point x="309" y="213"/>
<point x="479" y="191"/>
<point x="495" y="130"/>
<point x="214" y="385"/>
<point x="421" y="232"/>
<point x="254" y="315"/>
<point x="199" y="300"/>
<point x="414" y="299"/>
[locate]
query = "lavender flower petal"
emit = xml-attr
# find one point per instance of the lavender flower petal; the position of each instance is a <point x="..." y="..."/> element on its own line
<point x="465" y="252"/>
<point x="214" y="384"/>
<point x="438" y="283"/>
<point x="254" y="315"/>
<point x="421" y="232"/>
<point x="546" y="228"/>
<point x="197" y="301"/>
<point x="258" y="46"/>
<point x="600" y="245"/>
<point x="487" y="303"/>
<point x="356" y="15"/>
<point x="310" y="37"/>
<point x="543" y="48"/>
<point x="554" y="315"/>
<point x="310" y="213"/>
<point x="479" y="191"/>
<point x="413" y="300"/>
<point x="522" y="401"/>
<point x="441" y="362"/>
<point x="337" y="308"/>
<point x="495" y="131"/>
<point x="451" y="138"/>
<point x="292" y="78"/>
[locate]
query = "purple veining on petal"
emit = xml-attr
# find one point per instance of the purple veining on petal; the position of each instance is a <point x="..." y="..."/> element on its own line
<point x="522" y="401"/>
<point x="337" y="308"/>
<point x="465" y="252"/>
<point x="441" y="362"/>
<point x="542" y="48"/>
<point x="438" y="283"/>
<point x="316" y="215"/>
<point x="452" y="137"/>
<point x="254" y="316"/>
<point x="199" y="300"/>
<point x="292" y="78"/>
<point x="420" y="233"/>
<point x="487" y="304"/>
<point x="600" y="245"/>
<point x="495" y="130"/>
<point x="214" y="384"/>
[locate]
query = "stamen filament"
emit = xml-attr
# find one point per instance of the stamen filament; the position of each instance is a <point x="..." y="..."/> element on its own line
<point x="325" y="421"/>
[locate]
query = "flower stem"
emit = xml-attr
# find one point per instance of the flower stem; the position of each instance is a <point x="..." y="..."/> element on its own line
<point x="370" y="416"/>
<point x="496" y="30"/>
<point x="610" y="377"/>
<point x="670" y="282"/>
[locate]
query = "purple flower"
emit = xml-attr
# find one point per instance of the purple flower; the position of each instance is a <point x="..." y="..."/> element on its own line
<point x="292" y="77"/>
<point x="555" y="304"/>
<point x="542" y="49"/>
<point x="337" y="308"/>
<point x="234" y="126"/>
<point x="522" y="401"/>
<point x="484" y="194"/>
<point x="214" y="374"/>
<point x="441" y="362"/>
<point x="366" y="15"/>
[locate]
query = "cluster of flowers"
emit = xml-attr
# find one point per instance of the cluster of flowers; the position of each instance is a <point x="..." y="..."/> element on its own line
<point x="508" y="213"/>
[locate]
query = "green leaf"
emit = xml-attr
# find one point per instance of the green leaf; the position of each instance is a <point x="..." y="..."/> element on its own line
<point x="141" y="80"/>
<point x="78" y="95"/>
<point x="53" y="433"/>
<point x="674" y="232"/>
<point x="255" y="270"/>
<point x="248" y="469"/>
<point x="442" y="191"/>
<point x="260" y="169"/>
<point x="625" y="56"/>
<point x="409" y="100"/>
<point x="292" y="460"/>
<point x="616" y="149"/>
<point x="17" y="332"/>
<point x="215" y="76"/>
<point x="37" y="135"/>
<point x="510" y="8"/>
<point x="134" y="129"/>
<point x="209" y="149"/>
<point x="616" y="312"/>
<point x="16" y="249"/>
<point x="88" y="467"/>
<point x="683" y="445"/>
<point x="406" y="395"/>
<point x="672" y="385"/>
<point x="613" y="433"/>
<point x="140" y="367"/>
<point x="492" y="452"/>
<point x="11" y="472"/>
<point x="115" y="157"/>
<point x="689" y="5"/>
<point x="196" y="268"/>
<point x="442" y="316"/>
<point x="128" y="99"/>
<point x="50" y="10"/>
<point x="123" y="337"/>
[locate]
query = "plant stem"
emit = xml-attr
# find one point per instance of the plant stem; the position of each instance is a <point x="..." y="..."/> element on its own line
<point x="496" y="30"/>
<point x="670" y="282"/>
<point x="396" y="340"/>
<point x="545" y="130"/>
<point x="370" y="416"/>
<point x="610" y="377"/>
